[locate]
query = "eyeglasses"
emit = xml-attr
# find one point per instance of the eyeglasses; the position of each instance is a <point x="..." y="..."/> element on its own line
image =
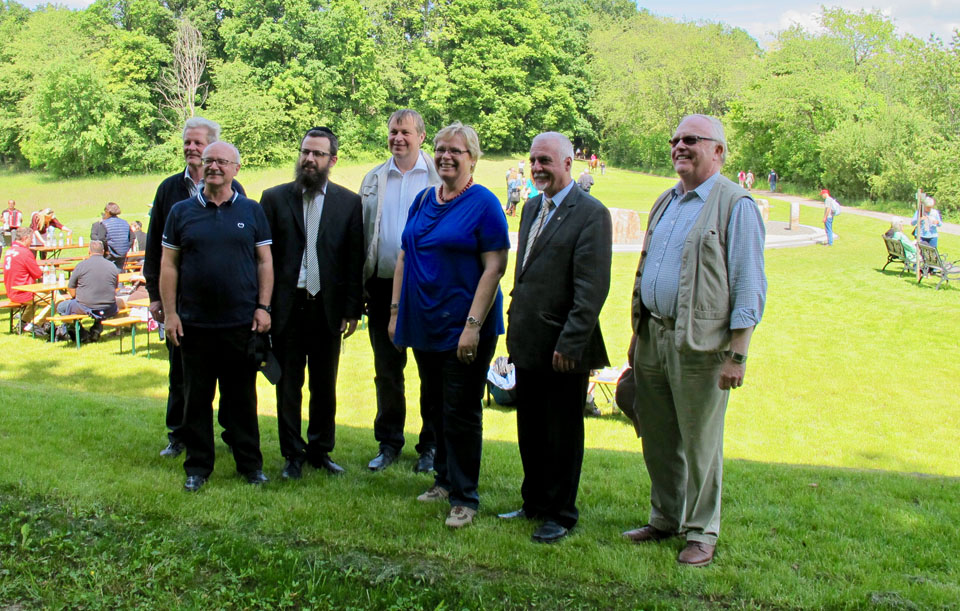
<point x="441" y="150"/>
<point x="689" y="140"/>
<point x="212" y="160"/>
<point x="317" y="154"/>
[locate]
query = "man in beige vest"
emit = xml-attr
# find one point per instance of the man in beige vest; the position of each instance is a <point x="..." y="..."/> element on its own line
<point x="699" y="292"/>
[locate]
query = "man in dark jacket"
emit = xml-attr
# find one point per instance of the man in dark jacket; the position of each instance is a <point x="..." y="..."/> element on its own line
<point x="197" y="134"/>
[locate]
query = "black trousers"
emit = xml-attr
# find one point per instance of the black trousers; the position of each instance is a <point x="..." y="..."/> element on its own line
<point x="388" y="365"/>
<point x="550" y="437"/>
<point x="175" y="400"/>
<point x="307" y="343"/>
<point x="458" y="389"/>
<point x="213" y="357"/>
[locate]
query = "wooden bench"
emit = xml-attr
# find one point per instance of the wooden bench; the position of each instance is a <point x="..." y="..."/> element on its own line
<point x="932" y="263"/>
<point x="14" y="308"/>
<point x="896" y="254"/>
<point x="130" y="322"/>
<point x="64" y="319"/>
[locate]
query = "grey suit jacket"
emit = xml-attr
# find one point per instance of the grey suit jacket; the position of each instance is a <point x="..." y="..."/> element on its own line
<point x="556" y="299"/>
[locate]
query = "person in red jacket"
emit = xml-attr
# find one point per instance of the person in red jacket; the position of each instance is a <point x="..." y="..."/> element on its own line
<point x="20" y="267"/>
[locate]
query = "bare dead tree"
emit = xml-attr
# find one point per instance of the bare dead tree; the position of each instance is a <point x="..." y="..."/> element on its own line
<point x="181" y="85"/>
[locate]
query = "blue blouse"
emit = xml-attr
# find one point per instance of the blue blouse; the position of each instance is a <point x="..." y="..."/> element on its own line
<point x="442" y="244"/>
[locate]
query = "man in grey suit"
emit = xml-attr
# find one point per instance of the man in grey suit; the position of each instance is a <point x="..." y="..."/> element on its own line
<point x="561" y="281"/>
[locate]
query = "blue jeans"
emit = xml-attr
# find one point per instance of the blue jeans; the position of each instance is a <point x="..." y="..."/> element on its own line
<point x="931" y="241"/>
<point x="72" y="306"/>
<point x="828" y="226"/>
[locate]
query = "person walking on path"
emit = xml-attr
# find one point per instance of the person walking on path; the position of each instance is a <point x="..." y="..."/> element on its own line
<point x="831" y="208"/>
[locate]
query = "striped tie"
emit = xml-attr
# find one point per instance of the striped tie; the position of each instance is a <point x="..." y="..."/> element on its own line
<point x="313" y="264"/>
<point x="537" y="228"/>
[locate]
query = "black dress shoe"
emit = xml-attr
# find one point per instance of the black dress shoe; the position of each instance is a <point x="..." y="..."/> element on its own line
<point x="384" y="459"/>
<point x="425" y="462"/>
<point x="550" y="532"/>
<point x="292" y="469"/>
<point x="256" y="478"/>
<point x="324" y="462"/>
<point x="173" y="449"/>
<point x="513" y="515"/>
<point x="194" y="483"/>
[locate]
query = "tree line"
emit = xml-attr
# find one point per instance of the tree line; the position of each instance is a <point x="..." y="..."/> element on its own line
<point x="852" y="106"/>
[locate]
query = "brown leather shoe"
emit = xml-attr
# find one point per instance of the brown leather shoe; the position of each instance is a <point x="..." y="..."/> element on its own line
<point x="696" y="553"/>
<point x="648" y="533"/>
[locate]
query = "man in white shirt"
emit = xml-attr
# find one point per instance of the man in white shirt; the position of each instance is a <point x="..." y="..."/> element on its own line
<point x="387" y="192"/>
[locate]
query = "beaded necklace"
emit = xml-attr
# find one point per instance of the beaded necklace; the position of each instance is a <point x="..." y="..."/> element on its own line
<point x="444" y="200"/>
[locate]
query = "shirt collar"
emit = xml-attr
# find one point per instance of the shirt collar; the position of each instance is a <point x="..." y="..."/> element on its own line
<point x="421" y="165"/>
<point x="702" y="191"/>
<point x="560" y="195"/>
<point x="186" y="177"/>
<point x="203" y="202"/>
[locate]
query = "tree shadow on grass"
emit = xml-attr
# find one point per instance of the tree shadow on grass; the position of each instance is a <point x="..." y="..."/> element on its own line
<point x="794" y="536"/>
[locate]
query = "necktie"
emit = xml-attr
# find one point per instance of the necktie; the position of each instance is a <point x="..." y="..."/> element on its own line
<point x="537" y="228"/>
<point x="313" y="264"/>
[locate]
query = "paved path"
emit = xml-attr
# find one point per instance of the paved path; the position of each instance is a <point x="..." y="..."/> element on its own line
<point x="951" y="228"/>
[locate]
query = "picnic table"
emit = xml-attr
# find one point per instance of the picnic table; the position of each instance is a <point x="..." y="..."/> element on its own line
<point x="55" y="250"/>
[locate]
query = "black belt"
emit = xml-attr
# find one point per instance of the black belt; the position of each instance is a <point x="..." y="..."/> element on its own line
<point x="304" y="295"/>
<point x="663" y="321"/>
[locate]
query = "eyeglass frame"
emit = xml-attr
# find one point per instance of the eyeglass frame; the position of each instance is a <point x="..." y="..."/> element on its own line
<point x="696" y="140"/>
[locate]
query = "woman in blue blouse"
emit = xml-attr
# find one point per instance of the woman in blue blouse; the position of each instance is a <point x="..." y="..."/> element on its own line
<point x="447" y="306"/>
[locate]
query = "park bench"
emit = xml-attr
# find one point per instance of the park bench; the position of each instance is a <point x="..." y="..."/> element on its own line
<point x="896" y="254"/>
<point x="130" y="322"/>
<point x="14" y="309"/>
<point x="932" y="263"/>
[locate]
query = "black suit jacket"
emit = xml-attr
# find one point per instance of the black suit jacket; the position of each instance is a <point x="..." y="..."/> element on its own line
<point x="339" y="251"/>
<point x="556" y="300"/>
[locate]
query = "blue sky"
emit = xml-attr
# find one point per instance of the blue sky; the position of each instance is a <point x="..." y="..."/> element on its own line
<point x="918" y="17"/>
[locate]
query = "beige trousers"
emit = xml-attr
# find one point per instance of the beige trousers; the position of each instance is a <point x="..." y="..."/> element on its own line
<point x="681" y="411"/>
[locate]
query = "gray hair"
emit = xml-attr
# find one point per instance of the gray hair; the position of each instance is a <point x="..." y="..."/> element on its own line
<point x="716" y="131"/>
<point x="468" y="134"/>
<point x="213" y="128"/>
<point x="564" y="146"/>
<point x="408" y="113"/>
<point x="232" y="148"/>
<point x="96" y="247"/>
<point x="896" y="224"/>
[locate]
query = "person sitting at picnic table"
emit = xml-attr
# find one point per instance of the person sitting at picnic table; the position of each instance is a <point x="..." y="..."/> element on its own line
<point x="20" y="267"/>
<point x="139" y="237"/>
<point x="930" y="221"/>
<point x="93" y="287"/>
<point x="115" y="233"/>
<point x="909" y="248"/>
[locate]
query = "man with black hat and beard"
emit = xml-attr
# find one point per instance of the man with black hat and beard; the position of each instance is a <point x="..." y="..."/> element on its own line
<point x="317" y="229"/>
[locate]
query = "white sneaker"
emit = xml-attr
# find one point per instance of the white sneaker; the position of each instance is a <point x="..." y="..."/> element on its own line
<point x="434" y="494"/>
<point x="460" y="516"/>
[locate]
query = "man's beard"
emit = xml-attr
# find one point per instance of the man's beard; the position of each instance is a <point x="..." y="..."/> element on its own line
<point x="310" y="182"/>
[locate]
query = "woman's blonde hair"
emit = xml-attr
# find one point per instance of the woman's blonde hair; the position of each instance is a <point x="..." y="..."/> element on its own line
<point x="468" y="134"/>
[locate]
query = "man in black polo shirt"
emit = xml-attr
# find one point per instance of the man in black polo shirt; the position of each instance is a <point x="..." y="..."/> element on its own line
<point x="216" y="279"/>
<point x="198" y="133"/>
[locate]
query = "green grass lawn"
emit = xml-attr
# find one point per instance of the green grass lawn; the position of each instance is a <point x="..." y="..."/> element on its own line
<point x="840" y="487"/>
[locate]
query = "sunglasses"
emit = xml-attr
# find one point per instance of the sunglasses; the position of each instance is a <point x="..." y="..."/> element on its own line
<point x="689" y="140"/>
